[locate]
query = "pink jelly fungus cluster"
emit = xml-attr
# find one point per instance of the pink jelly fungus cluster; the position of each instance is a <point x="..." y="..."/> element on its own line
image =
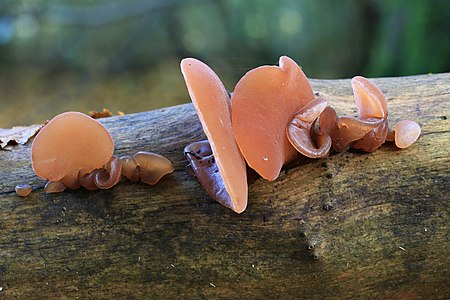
<point x="272" y="116"/>
<point x="74" y="150"/>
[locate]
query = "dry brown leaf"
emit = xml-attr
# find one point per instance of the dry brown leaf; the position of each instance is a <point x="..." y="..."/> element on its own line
<point x="17" y="135"/>
<point x="100" y="114"/>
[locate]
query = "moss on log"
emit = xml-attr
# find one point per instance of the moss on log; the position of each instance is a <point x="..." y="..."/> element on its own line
<point x="352" y="225"/>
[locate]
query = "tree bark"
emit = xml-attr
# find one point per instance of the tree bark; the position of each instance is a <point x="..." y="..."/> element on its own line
<point x="352" y="225"/>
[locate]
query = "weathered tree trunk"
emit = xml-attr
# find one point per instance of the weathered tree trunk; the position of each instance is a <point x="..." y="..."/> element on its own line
<point x="352" y="225"/>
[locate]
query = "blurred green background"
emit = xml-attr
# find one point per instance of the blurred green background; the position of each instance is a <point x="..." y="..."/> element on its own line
<point x="82" y="55"/>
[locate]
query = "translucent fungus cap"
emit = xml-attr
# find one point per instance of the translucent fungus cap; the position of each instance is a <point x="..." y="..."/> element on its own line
<point x="72" y="144"/>
<point x="369" y="99"/>
<point x="300" y="131"/>
<point x="406" y="133"/>
<point x="212" y="103"/>
<point x="152" y="167"/>
<point x="263" y="103"/>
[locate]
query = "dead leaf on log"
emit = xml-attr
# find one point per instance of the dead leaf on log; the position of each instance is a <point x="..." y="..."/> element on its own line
<point x="17" y="135"/>
<point x="100" y="114"/>
<point x="103" y="114"/>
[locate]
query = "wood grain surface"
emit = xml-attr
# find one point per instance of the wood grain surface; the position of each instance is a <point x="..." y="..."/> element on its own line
<point x="353" y="225"/>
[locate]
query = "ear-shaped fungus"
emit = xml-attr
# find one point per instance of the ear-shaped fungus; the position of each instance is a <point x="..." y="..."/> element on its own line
<point x="212" y="103"/>
<point x="152" y="167"/>
<point x="406" y="133"/>
<point x="145" y="166"/>
<point x="273" y="114"/>
<point x="54" y="187"/>
<point x="264" y="102"/>
<point x="372" y="106"/>
<point x="368" y="131"/>
<point x="300" y="131"/>
<point x="71" y="145"/>
<point x="23" y="190"/>
<point x="201" y="160"/>
<point x="130" y="168"/>
<point x="345" y="130"/>
<point x="88" y="181"/>
<point x="75" y="150"/>
<point x="110" y="175"/>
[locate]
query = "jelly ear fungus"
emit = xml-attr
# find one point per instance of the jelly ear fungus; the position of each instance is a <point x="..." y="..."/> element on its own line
<point x="370" y="129"/>
<point x="264" y="102"/>
<point x="367" y="131"/>
<point x="274" y="115"/>
<point x="202" y="162"/>
<point x="228" y="186"/>
<point x="406" y="132"/>
<point x="300" y="131"/>
<point x="75" y="150"/>
<point x="150" y="167"/>
<point x="71" y="145"/>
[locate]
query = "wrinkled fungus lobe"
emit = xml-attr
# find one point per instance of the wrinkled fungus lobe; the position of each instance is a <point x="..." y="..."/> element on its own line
<point x="212" y="102"/>
<point x="370" y="129"/>
<point x="130" y="168"/>
<point x="202" y="162"/>
<point x="75" y="150"/>
<point x="151" y="167"/>
<point x="274" y="114"/>
<point x="372" y="107"/>
<point x="301" y="134"/>
<point x="263" y="103"/>
<point x="71" y="145"/>
<point x="367" y="131"/>
<point x="107" y="177"/>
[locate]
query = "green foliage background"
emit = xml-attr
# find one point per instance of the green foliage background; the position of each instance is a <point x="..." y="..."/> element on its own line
<point x="124" y="54"/>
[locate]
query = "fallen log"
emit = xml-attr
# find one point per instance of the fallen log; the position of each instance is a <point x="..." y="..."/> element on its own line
<point x="353" y="225"/>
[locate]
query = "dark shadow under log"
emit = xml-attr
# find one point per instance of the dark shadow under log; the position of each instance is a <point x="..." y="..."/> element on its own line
<point x="352" y="225"/>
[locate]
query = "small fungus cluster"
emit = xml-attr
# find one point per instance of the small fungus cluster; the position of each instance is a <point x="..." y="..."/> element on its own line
<point x="271" y="116"/>
<point x="75" y="150"/>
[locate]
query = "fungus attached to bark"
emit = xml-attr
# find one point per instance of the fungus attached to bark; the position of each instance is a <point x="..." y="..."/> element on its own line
<point x="110" y="175"/>
<point x="345" y="130"/>
<point x="201" y="160"/>
<point x="75" y="150"/>
<point x="263" y="104"/>
<point x="370" y="130"/>
<point x="54" y="187"/>
<point x="372" y="106"/>
<point x="300" y="131"/>
<point x="274" y="113"/>
<point x="23" y="190"/>
<point x="151" y="167"/>
<point x="145" y="166"/>
<point x="88" y="181"/>
<point x="406" y="133"/>
<point x="212" y="102"/>
<point x="70" y="146"/>
<point x="129" y="168"/>
<point x="366" y="132"/>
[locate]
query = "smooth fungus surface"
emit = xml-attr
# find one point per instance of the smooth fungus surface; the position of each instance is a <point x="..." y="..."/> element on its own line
<point x="274" y="114"/>
<point x="406" y="133"/>
<point x="212" y="102"/>
<point x="71" y="145"/>
<point x="23" y="190"/>
<point x="263" y="103"/>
